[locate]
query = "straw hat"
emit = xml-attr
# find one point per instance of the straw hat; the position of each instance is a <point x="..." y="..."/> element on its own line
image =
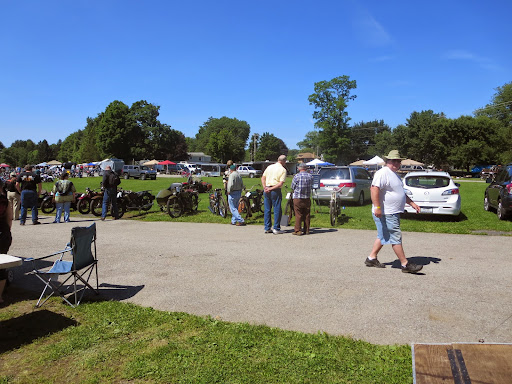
<point x="394" y="155"/>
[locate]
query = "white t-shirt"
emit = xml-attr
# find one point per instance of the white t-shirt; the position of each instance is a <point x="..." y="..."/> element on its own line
<point x="392" y="194"/>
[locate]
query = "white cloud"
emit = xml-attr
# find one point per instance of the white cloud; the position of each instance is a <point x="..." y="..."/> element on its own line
<point x="371" y="31"/>
<point x="460" y="54"/>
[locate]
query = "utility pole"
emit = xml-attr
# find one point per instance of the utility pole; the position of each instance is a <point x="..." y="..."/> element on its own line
<point x="255" y="138"/>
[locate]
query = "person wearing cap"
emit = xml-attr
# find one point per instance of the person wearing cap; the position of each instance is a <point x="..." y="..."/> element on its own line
<point x="29" y="186"/>
<point x="301" y="186"/>
<point x="234" y="190"/>
<point x="272" y="181"/>
<point x="389" y="199"/>
<point x="13" y="196"/>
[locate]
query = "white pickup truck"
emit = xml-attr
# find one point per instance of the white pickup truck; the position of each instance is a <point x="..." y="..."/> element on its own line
<point x="248" y="171"/>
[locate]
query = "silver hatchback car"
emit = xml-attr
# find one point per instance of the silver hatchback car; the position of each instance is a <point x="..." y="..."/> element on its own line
<point x="357" y="181"/>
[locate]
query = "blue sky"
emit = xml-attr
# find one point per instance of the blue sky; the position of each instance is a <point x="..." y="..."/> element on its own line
<point x="64" y="61"/>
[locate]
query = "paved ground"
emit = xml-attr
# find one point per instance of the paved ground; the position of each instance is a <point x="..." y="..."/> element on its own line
<point x="309" y="283"/>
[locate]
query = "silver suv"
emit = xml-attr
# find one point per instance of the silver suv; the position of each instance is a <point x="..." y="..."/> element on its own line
<point x="357" y="181"/>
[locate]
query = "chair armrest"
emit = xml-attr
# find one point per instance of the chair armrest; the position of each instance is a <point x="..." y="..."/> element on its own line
<point x="46" y="257"/>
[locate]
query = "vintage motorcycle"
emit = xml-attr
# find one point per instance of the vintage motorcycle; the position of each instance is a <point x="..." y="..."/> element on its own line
<point x="217" y="204"/>
<point x="84" y="201"/>
<point x="194" y="182"/>
<point x="135" y="201"/>
<point x="251" y="202"/>
<point x="177" y="199"/>
<point x="47" y="205"/>
<point x="96" y="205"/>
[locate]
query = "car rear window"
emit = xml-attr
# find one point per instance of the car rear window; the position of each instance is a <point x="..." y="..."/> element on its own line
<point x="335" y="174"/>
<point x="427" y="181"/>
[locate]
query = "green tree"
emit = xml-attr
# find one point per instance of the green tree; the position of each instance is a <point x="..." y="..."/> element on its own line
<point x="70" y="147"/>
<point x="44" y="152"/>
<point x="168" y="143"/>
<point x="330" y="101"/>
<point x="363" y="137"/>
<point x="422" y="138"/>
<point x="117" y="134"/>
<point x="500" y="107"/>
<point x="20" y="153"/>
<point x="223" y="138"/>
<point x="270" y="148"/>
<point x="310" y="142"/>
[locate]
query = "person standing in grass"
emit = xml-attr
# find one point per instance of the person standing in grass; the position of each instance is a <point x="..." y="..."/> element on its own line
<point x="272" y="181"/>
<point x="234" y="191"/>
<point x="301" y="186"/>
<point x="63" y="195"/>
<point x="388" y="199"/>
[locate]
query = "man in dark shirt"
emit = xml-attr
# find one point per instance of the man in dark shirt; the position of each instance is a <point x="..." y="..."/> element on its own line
<point x="29" y="186"/>
<point x="109" y="194"/>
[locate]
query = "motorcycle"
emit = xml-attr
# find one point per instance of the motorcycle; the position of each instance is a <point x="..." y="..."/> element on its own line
<point x="96" y="206"/>
<point x="135" y="201"/>
<point x="197" y="184"/>
<point x="251" y="202"/>
<point x="177" y="199"/>
<point x="47" y="204"/>
<point x="84" y="201"/>
<point x="217" y="205"/>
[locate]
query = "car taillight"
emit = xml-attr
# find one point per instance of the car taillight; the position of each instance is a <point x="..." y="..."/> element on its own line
<point x="454" y="191"/>
<point x="348" y="185"/>
<point x="322" y="184"/>
<point x="509" y="188"/>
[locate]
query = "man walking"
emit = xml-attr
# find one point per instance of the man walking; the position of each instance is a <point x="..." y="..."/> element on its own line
<point x="388" y="199"/>
<point x="29" y="186"/>
<point x="272" y="181"/>
<point x="13" y="196"/>
<point x="301" y="185"/>
<point x="110" y="183"/>
<point x="234" y="191"/>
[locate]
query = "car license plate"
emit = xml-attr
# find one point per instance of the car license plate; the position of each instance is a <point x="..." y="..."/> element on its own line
<point x="427" y="210"/>
<point x="329" y="188"/>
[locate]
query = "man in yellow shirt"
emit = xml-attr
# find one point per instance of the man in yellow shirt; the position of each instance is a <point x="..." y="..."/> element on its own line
<point x="272" y="181"/>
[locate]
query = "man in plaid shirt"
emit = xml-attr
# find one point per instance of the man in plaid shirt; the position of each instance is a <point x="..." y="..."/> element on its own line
<point x="301" y="186"/>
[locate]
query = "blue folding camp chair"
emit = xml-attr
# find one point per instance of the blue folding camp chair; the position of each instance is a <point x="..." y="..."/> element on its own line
<point x="82" y="252"/>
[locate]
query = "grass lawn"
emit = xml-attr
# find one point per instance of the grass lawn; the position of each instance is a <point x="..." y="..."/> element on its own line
<point x="473" y="218"/>
<point x="112" y="342"/>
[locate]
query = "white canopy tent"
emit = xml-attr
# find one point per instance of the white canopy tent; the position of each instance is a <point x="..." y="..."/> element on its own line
<point x="376" y="160"/>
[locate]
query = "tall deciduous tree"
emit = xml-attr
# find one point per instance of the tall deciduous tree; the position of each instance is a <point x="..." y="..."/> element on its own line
<point x="270" y="147"/>
<point x="363" y="137"/>
<point x="500" y="107"/>
<point x="224" y="139"/>
<point x="118" y="134"/>
<point x="330" y="101"/>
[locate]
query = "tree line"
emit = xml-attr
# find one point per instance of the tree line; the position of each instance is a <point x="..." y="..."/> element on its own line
<point x="135" y="132"/>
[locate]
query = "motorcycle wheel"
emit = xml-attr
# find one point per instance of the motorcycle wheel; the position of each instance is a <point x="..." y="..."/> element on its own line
<point x="195" y="202"/>
<point x="244" y="207"/>
<point x="174" y="208"/>
<point x="147" y="202"/>
<point x="96" y="207"/>
<point x="47" y="206"/>
<point x="83" y="206"/>
<point x="121" y="209"/>
<point x="212" y="206"/>
<point x="223" y="208"/>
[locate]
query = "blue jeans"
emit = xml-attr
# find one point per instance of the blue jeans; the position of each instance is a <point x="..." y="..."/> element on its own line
<point x="110" y="194"/>
<point x="273" y="200"/>
<point x="28" y="200"/>
<point x="60" y="206"/>
<point x="233" y="199"/>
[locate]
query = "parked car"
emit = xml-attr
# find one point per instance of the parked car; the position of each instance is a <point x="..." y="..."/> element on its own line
<point x="138" y="172"/>
<point x="498" y="194"/>
<point x="248" y="171"/>
<point x="357" y="179"/>
<point x="435" y="192"/>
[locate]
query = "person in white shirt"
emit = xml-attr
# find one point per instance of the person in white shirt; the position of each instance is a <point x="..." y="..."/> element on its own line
<point x="389" y="199"/>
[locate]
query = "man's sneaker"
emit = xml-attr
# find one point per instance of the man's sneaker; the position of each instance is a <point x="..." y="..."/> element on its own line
<point x="373" y="263"/>
<point x="22" y="223"/>
<point x="240" y="224"/>
<point x="411" y="268"/>
<point x="297" y="233"/>
<point x="277" y="231"/>
<point x="36" y="222"/>
<point x="268" y="231"/>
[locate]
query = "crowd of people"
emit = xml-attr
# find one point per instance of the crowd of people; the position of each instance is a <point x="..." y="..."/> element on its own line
<point x="19" y="193"/>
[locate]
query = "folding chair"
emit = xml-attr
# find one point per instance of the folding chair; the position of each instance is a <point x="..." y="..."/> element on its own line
<point x="82" y="250"/>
